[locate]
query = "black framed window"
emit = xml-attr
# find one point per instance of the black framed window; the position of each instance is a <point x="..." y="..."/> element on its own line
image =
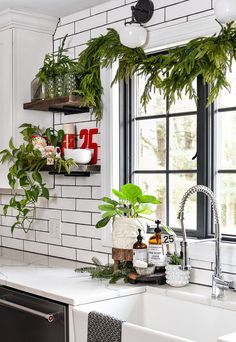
<point x="224" y="175"/>
<point x="166" y="151"/>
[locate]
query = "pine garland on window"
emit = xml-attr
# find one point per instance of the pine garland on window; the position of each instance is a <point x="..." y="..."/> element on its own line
<point x="172" y="73"/>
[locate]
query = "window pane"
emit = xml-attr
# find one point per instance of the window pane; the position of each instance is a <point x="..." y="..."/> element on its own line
<point x="184" y="104"/>
<point x="227" y="140"/>
<point x="227" y="202"/>
<point x="151" y="144"/>
<point x="228" y="98"/>
<point x="157" y="104"/>
<point x="178" y="185"/>
<point x="154" y="185"/>
<point x="183" y="142"/>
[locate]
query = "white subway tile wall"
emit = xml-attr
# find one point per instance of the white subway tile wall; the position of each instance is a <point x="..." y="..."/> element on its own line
<point x="74" y="200"/>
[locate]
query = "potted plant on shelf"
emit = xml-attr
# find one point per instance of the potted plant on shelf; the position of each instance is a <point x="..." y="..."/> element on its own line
<point x="175" y="276"/>
<point x="25" y="165"/>
<point x="57" y="73"/>
<point x="128" y="213"/>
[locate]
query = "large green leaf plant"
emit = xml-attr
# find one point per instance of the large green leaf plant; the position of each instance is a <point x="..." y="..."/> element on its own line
<point x="131" y="203"/>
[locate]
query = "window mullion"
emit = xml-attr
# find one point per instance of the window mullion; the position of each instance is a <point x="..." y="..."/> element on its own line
<point x="203" y="158"/>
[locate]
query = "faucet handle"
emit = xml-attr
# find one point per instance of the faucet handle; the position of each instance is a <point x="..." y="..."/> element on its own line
<point x="224" y="284"/>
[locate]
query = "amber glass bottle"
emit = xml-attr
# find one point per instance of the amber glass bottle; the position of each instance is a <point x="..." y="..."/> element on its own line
<point x="156" y="254"/>
<point x="140" y="252"/>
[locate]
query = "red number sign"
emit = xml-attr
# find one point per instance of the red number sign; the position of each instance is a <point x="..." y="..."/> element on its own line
<point x="87" y="136"/>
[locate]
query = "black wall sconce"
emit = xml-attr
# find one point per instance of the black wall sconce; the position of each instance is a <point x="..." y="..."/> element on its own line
<point x="133" y="34"/>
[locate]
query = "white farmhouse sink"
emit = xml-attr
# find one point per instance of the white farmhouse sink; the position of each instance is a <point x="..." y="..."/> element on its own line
<point x="166" y="315"/>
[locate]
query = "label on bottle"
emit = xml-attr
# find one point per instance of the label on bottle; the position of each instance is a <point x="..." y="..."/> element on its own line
<point x="140" y="258"/>
<point x="156" y="255"/>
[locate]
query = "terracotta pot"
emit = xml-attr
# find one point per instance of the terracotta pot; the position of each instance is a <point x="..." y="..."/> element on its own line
<point x="125" y="231"/>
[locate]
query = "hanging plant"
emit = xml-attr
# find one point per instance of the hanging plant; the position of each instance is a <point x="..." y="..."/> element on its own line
<point x="172" y="73"/>
<point x="26" y="162"/>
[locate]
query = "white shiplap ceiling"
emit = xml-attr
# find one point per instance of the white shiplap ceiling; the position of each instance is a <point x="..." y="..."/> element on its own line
<point x="55" y="8"/>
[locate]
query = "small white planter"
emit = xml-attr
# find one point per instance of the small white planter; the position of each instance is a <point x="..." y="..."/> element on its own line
<point x="176" y="277"/>
<point x="125" y="231"/>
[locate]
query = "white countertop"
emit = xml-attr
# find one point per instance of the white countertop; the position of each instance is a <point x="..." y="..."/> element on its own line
<point x="58" y="282"/>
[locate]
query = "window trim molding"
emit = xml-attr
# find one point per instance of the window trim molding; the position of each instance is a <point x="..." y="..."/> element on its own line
<point x="109" y="142"/>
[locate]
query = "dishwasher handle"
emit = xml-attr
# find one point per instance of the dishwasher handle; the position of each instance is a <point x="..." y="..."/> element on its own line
<point x="49" y="317"/>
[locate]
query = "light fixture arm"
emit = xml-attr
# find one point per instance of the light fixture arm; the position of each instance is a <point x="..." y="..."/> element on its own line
<point x="142" y="12"/>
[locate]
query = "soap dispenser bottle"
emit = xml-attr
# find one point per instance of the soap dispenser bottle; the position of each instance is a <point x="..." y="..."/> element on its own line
<point x="140" y="257"/>
<point x="156" y="254"/>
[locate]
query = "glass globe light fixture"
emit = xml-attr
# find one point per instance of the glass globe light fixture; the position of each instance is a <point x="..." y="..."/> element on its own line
<point x="133" y="34"/>
<point x="225" y="10"/>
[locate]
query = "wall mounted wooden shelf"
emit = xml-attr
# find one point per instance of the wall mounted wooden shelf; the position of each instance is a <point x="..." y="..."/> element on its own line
<point x="67" y="104"/>
<point x="79" y="171"/>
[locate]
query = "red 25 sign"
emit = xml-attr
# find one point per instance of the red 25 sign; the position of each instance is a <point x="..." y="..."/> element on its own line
<point x="87" y="136"/>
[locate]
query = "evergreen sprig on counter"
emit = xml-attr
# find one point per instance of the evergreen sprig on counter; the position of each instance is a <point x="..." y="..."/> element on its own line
<point x="107" y="272"/>
<point x="172" y="73"/>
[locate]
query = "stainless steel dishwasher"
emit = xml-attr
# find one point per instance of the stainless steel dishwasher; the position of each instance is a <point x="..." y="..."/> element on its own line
<point x="28" y="318"/>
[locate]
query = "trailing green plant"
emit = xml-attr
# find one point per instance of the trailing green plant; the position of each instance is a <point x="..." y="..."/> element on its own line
<point x="25" y="163"/>
<point x="174" y="259"/>
<point x="107" y="272"/>
<point x="101" y="53"/>
<point x="171" y="74"/>
<point x="57" y="64"/>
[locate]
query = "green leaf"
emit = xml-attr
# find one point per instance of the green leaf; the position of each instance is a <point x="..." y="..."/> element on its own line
<point x="11" y="145"/>
<point x="119" y="194"/>
<point x="5" y="209"/>
<point x="17" y="223"/>
<point x="167" y="229"/>
<point x="21" y="174"/>
<point x="102" y="223"/>
<point x="24" y="181"/>
<point x="45" y="193"/>
<point x="48" y="134"/>
<point x="109" y="214"/>
<point x="37" y="177"/>
<point x="146" y="210"/>
<point x="106" y="207"/>
<point x="110" y="201"/>
<point x="60" y="135"/>
<point x="131" y="192"/>
<point x="25" y="211"/>
<point x="148" y="199"/>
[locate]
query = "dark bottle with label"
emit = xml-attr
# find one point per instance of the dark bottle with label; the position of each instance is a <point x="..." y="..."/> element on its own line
<point x="140" y="257"/>
<point x="156" y="254"/>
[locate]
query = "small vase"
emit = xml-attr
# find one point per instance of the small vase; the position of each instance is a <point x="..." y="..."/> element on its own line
<point x="50" y="88"/>
<point x="125" y="231"/>
<point x="38" y="91"/>
<point x="70" y="83"/>
<point x="176" y="277"/>
<point x="59" y="86"/>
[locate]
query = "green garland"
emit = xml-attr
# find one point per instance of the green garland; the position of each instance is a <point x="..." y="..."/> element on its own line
<point x="170" y="74"/>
